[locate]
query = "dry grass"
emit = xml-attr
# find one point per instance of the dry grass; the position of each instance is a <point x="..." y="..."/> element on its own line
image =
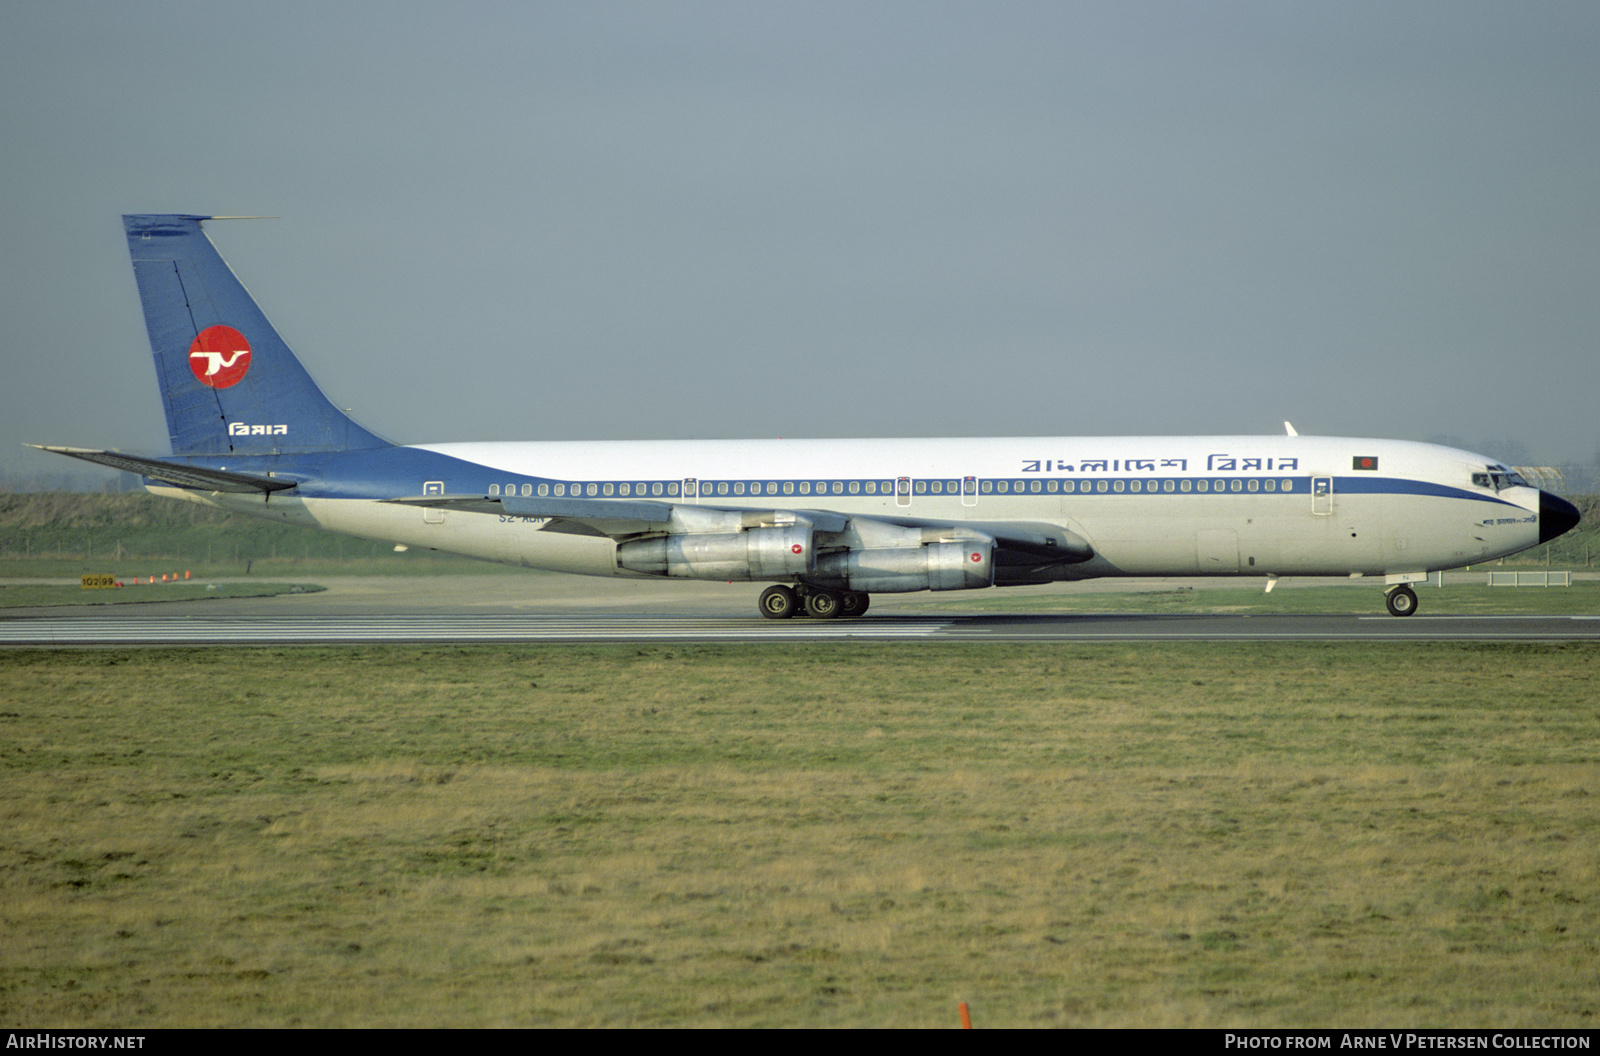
<point x="801" y="836"/>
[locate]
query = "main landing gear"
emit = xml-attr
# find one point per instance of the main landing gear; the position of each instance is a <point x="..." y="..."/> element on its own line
<point x="1401" y="600"/>
<point x="781" y="602"/>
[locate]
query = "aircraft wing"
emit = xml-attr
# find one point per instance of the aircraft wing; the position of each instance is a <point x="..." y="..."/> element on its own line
<point x="1019" y="542"/>
<point x="625" y="518"/>
<point x="176" y="473"/>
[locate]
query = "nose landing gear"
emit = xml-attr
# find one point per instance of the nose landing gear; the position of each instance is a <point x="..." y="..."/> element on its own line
<point x="1401" y="600"/>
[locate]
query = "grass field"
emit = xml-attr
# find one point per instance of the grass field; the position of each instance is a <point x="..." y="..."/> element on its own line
<point x="33" y="595"/>
<point x="820" y="835"/>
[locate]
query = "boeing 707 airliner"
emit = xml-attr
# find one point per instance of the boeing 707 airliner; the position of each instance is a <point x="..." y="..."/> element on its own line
<point x="827" y="522"/>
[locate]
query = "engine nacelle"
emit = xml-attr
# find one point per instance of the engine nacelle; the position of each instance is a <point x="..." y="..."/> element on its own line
<point x="758" y="553"/>
<point x="960" y="565"/>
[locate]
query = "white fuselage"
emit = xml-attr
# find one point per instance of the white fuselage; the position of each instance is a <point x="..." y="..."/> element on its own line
<point x="1149" y="506"/>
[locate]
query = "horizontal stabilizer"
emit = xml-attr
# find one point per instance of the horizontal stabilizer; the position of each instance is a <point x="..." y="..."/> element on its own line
<point x="198" y="478"/>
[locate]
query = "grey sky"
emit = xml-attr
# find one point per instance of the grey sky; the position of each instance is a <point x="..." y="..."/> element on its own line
<point x="625" y="220"/>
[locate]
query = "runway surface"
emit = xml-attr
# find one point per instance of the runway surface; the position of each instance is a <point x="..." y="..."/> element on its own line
<point x="370" y="630"/>
<point x="562" y="609"/>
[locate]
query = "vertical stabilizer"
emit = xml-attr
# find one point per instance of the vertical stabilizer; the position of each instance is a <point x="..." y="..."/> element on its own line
<point x="229" y="383"/>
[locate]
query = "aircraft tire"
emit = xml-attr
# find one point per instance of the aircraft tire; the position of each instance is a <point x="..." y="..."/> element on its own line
<point x="823" y="605"/>
<point x="778" y="603"/>
<point x="853" y="603"/>
<point x="1402" y="601"/>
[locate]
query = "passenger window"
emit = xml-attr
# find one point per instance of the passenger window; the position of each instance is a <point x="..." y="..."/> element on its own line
<point x="872" y="487"/>
<point x="805" y="487"/>
<point x="1252" y="485"/>
<point x="527" y="489"/>
<point x="987" y="486"/>
<point x="494" y="489"/>
<point x="1052" y="486"/>
<point x="672" y="489"/>
<point x="561" y="489"/>
<point x="1100" y="485"/>
<point x="606" y="489"/>
<point x="592" y="489"/>
<point x="788" y="487"/>
<point x="1166" y="485"/>
<point x="855" y="487"/>
<point x="1237" y="485"/>
<point x="1135" y="485"/>
<point x="544" y="490"/>
<point x="1116" y="485"/>
<point x="1183" y="485"/>
<point x="1288" y="485"/>
<point x="1068" y="486"/>
<point x="1202" y="485"/>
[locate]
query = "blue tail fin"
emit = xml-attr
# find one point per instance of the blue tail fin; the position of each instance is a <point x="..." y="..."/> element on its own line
<point x="230" y="384"/>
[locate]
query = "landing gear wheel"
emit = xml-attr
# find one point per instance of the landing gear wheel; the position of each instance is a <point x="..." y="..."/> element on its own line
<point x="1402" y="601"/>
<point x="778" y="603"/>
<point x="853" y="603"/>
<point x="823" y="604"/>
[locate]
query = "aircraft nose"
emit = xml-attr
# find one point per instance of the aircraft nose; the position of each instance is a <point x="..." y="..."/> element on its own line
<point x="1556" y="515"/>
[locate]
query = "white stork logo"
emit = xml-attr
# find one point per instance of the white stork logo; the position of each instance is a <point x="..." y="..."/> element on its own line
<point x="215" y="361"/>
<point x="219" y="357"/>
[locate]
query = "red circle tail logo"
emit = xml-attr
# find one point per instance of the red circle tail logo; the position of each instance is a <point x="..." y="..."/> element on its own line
<point x="219" y="357"/>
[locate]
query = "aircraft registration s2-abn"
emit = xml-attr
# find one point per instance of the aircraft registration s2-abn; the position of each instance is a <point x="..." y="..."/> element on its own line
<point x="827" y="522"/>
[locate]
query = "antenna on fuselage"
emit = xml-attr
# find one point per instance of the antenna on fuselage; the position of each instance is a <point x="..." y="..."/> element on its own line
<point x="1289" y="429"/>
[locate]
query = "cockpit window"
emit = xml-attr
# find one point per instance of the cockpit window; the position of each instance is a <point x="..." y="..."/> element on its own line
<point x="1499" y="478"/>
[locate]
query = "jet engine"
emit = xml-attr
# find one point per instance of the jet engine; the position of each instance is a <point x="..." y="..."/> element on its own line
<point x="757" y="553"/>
<point x="962" y="564"/>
